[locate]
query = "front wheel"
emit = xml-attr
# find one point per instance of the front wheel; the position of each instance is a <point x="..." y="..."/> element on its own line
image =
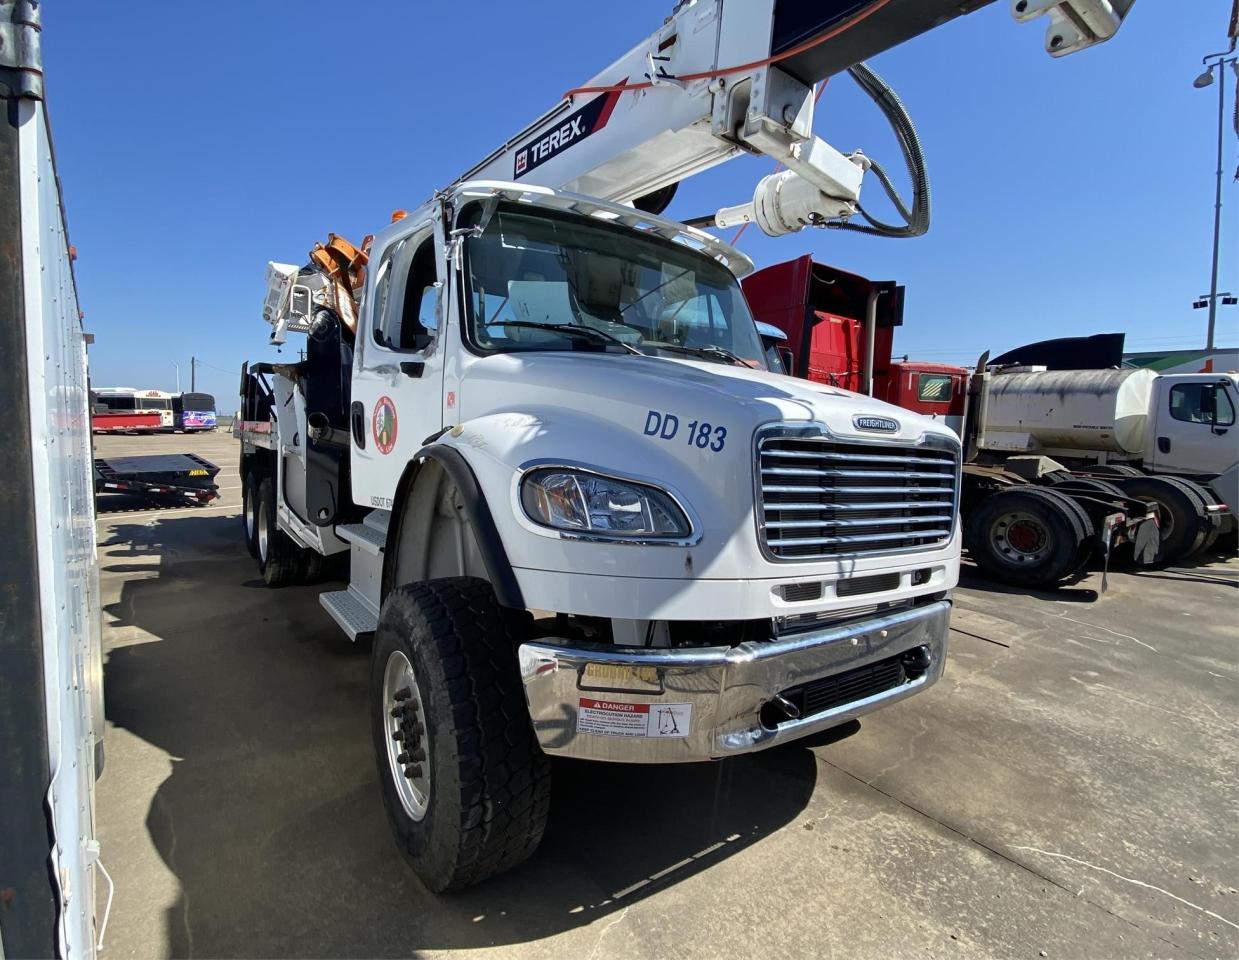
<point x="466" y="788"/>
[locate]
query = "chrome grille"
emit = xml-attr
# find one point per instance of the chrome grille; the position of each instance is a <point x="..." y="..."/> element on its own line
<point x="824" y="498"/>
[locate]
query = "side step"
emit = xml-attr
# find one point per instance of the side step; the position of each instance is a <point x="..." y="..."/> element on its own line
<point x="351" y="610"/>
<point x="364" y="535"/>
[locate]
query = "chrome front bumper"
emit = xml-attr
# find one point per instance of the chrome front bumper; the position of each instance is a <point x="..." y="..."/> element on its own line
<point x="639" y="705"/>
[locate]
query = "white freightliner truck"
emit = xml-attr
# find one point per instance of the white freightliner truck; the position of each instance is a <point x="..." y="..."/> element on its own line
<point x="581" y="518"/>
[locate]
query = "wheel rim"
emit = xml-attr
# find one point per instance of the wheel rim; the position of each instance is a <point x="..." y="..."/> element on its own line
<point x="1020" y="537"/>
<point x="407" y="744"/>
<point x="249" y="513"/>
<point x="263" y="535"/>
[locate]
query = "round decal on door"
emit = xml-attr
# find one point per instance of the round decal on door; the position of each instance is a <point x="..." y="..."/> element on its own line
<point x="384" y="424"/>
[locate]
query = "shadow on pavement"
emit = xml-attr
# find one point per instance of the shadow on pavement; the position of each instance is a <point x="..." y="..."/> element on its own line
<point x="971" y="578"/>
<point x="109" y="504"/>
<point x="271" y="817"/>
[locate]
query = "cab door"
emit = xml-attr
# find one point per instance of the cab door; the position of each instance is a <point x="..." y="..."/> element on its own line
<point x="397" y="389"/>
<point x="1195" y="432"/>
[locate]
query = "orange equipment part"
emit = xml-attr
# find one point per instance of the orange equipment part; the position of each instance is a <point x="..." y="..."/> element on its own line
<point x="341" y="261"/>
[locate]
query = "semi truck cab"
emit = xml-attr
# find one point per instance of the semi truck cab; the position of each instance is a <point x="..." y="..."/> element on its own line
<point x="1192" y="430"/>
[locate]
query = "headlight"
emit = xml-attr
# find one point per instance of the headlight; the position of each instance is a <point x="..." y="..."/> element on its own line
<point x="580" y="502"/>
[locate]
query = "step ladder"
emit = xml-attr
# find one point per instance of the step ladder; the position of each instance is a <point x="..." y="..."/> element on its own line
<point x="356" y="609"/>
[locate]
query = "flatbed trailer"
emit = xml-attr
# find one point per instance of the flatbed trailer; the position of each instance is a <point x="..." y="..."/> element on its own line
<point x="165" y="476"/>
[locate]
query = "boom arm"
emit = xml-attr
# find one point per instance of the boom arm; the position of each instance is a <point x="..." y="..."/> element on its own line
<point x="721" y="77"/>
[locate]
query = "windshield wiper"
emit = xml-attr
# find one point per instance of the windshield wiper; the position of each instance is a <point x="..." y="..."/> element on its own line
<point x="579" y="329"/>
<point x="709" y="350"/>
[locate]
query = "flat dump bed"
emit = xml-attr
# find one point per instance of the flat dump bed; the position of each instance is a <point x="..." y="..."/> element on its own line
<point x="165" y="476"/>
<point x="125" y="422"/>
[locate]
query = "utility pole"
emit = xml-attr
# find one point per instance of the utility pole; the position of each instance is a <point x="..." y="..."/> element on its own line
<point x="1206" y="79"/>
<point x="193" y="369"/>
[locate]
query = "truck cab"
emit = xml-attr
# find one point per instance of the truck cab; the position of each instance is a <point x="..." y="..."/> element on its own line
<point x="1192" y="430"/>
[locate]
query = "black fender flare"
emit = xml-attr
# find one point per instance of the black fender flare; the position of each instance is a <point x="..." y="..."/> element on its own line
<point x="498" y="567"/>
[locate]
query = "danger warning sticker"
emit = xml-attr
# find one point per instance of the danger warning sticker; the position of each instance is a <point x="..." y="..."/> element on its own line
<point x="608" y="718"/>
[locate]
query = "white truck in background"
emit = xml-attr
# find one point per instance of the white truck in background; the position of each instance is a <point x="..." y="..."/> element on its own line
<point x="51" y="689"/>
<point x="581" y="516"/>
<point x="1165" y="439"/>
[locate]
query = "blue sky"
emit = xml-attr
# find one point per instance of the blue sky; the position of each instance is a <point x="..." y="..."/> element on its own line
<point x="1070" y="196"/>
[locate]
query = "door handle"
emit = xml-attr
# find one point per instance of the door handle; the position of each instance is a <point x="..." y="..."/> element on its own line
<point x="357" y="419"/>
<point x="412" y="368"/>
<point x="1163" y="444"/>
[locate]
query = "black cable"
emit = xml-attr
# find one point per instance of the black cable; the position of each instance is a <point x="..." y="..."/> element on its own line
<point x="916" y="218"/>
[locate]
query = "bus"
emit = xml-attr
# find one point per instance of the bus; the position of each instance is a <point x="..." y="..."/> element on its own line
<point x="124" y="409"/>
<point x="194" y="411"/>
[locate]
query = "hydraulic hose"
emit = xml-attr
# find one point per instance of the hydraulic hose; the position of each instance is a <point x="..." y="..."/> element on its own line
<point x="916" y="219"/>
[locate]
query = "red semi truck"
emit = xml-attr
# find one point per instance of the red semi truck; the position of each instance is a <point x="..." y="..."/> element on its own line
<point x="1038" y="502"/>
<point x="840" y="330"/>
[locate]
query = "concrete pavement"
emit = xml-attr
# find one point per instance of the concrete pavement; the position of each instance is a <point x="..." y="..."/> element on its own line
<point x="1068" y="790"/>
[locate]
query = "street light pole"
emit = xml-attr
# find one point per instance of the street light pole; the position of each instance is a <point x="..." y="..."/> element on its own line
<point x="178" y="376"/>
<point x="1204" y="80"/>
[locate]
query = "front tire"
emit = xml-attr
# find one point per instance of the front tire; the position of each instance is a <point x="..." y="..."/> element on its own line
<point x="466" y="788"/>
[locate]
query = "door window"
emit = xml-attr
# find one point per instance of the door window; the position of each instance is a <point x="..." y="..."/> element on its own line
<point x="406" y="296"/>
<point x="1196" y="403"/>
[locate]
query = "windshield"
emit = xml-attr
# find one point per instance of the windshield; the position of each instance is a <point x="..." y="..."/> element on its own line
<point x="529" y="269"/>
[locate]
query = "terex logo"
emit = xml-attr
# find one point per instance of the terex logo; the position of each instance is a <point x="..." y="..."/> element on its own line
<point x="885" y="424"/>
<point x="556" y="140"/>
<point x="571" y="129"/>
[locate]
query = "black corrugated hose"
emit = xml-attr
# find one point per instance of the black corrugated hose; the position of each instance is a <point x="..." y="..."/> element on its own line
<point x="916" y="219"/>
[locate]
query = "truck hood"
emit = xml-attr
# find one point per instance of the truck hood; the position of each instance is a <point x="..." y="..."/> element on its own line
<point x="685" y="426"/>
<point x="639" y="392"/>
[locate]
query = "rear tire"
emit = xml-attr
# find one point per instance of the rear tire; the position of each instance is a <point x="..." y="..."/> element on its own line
<point x="466" y="787"/>
<point x="1212" y="521"/>
<point x="1216" y="520"/>
<point x="1183" y="522"/>
<point x="1116" y="470"/>
<point x="312" y="567"/>
<point x="1028" y="536"/>
<point x="279" y="559"/>
<point x="1089" y="486"/>
<point x="249" y="513"/>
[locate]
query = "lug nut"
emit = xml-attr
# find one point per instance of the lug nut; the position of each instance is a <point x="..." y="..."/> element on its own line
<point x="413" y="772"/>
<point x="404" y="757"/>
<point x="397" y="711"/>
<point x="397" y="735"/>
<point x="403" y="694"/>
<point x="416" y="754"/>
